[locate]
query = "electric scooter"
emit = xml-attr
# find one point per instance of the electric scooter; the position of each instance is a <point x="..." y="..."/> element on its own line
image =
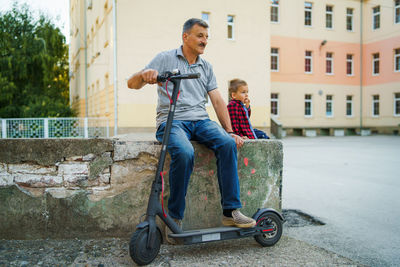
<point x="145" y="243"/>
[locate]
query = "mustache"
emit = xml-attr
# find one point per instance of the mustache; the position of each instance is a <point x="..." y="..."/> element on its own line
<point x="202" y="44"/>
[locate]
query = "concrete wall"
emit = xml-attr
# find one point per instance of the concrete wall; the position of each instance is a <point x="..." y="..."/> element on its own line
<point x="70" y="188"/>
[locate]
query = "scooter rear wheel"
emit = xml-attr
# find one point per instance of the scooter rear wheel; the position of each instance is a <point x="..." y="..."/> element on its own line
<point x="269" y="220"/>
<point x="138" y="249"/>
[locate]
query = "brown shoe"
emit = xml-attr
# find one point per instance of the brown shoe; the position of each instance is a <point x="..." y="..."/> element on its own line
<point x="168" y="231"/>
<point x="238" y="220"/>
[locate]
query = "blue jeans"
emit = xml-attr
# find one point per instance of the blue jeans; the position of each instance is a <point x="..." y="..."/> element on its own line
<point x="210" y="134"/>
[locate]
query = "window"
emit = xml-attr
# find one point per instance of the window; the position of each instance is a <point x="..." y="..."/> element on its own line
<point x="349" y="106"/>
<point x="308" y="14"/>
<point x="376" y="20"/>
<point x="329" y="17"/>
<point x="329" y="63"/>
<point x="274" y="104"/>
<point x="274" y="10"/>
<point x="397" y="11"/>
<point x="397" y="60"/>
<point x="308" y="62"/>
<point x="375" y="105"/>
<point x="397" y="104"/>
<point x="274" y="59"/>
<point x="308" y="105"/>
<point x="349" y="65"/>
<point x="206" y="17"/>
<point x="230" y="27"/>
<point x="349" y="19"/>
<point x="329" y="106"/>
<point x="375" y="64"/>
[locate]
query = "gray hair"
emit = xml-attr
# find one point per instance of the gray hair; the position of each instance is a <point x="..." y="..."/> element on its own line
<point x="191" y="22"/>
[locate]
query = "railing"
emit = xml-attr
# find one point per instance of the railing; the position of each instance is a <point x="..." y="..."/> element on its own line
<point x="276" y="128"/>
<point x="54" y="128"/>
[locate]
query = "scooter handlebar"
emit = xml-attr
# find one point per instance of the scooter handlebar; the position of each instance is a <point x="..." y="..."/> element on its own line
<point x="177" y="76"/>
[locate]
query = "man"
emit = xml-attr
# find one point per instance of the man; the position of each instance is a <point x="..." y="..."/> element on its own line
<point x="191" y="122"/>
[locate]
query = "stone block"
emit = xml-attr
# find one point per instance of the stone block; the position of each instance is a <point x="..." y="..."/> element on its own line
<point x="73" y="168"/>
<point x="124" y="150"/>
<point x="32" y="169"/>
<point x="99" y="164"/>
<point x="37" y="180"/>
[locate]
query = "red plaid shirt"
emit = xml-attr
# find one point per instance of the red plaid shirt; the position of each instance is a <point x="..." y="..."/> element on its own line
<point x="239" y="121"/>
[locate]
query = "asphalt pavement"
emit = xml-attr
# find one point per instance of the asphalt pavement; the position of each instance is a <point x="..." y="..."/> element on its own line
<point x="352" y="184"/>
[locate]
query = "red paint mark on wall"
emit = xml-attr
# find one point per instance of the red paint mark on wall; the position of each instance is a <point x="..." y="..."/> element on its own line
<point x="253" y="171"/>
<point x="211" y="172"/>
<point x="246" y="161"/>
<point x="164" y="173"/>
<point x="244" y="203"/>
<point x="248" y="193"/>
<point x="205" y="198"/>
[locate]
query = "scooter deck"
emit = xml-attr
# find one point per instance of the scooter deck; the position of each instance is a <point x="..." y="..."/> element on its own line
<point x="214" y="234"/>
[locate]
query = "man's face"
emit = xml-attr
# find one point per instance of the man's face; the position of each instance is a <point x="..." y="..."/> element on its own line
<point x="196" y="39"/>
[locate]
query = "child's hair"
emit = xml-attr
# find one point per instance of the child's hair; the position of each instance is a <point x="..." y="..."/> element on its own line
<point x="234" y="86"/>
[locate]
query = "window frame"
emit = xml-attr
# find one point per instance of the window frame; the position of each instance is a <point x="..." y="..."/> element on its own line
<point x="277" y="59"/>
<point x="376" y="18"/>
<point x="329" y="13"/>
<point x="375" y="62"/>
<point x="311" y="62"/>
<point x="329" y="101"/>
<point x="232" y="25"/>
<point x="329" y="60"/>
<point x="274" y="6"/>
<point x="349" y="100"/>
<point x="396" y="12"/>
<point x="396" y="100"/>
<point x="308" y="9"/>
<point x="276" y="101"/>
<point x="351" y="16"/>
<point x="206" y="20"/>
<point x="375" y="109"/>
<point x="308" y="101"/>
<point x="351" y="61"/>
<point x="396" y="57"/>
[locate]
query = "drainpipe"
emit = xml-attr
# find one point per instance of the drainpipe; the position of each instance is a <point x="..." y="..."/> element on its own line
<point x="361" y="64"/>
<point x="86" y="72"/>
<point x="115" y="68"/>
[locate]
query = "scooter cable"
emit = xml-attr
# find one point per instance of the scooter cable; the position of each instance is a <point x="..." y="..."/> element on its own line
<point x="166" y="89"/>
<point x="162" y="194"/>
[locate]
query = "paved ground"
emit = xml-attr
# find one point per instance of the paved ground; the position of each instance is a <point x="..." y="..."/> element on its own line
<point x="114" y="252"/>
<point x="352" y="184"/>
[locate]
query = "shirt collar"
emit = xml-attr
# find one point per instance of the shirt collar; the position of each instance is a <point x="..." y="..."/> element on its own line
<point x="179" y="52"/>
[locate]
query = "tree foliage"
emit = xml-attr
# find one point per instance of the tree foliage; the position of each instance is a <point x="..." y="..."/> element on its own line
<point x="33" y="66"/>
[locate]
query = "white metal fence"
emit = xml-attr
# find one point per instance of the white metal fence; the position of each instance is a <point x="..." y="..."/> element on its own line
<point x="54" y="128"/>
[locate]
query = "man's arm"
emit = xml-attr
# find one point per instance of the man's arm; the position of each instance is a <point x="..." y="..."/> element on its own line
<point x="223" y="115"/>
<point x="141" y="78"/>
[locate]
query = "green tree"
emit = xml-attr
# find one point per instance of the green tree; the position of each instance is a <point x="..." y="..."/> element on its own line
<point x="34" y="69"/>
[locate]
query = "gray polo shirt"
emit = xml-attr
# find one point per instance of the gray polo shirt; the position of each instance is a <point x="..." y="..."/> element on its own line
<point x="193" y="93"/>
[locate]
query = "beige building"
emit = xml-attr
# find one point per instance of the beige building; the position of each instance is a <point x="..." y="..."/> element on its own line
<point x="301" y="59"/>
<point x="138" y="30"/>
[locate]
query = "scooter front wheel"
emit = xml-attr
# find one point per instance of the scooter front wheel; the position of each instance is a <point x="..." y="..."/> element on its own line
<point x="271" y="226"/>
<point x="138" y="249"/>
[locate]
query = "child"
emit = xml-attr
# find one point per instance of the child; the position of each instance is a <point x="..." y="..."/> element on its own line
<point x="239" y="111"/>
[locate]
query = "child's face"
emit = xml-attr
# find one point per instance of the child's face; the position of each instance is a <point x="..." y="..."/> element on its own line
<point x="241" y="94"/>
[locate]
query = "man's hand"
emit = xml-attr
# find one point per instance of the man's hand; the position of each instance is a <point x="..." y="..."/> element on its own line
<point x="238" y="140"/>
<point x="149" y="76"/>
